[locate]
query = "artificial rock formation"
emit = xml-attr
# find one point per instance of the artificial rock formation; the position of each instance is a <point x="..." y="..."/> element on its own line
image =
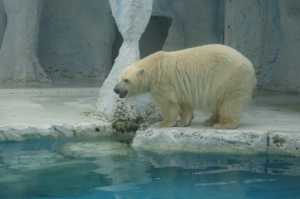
<point x="266" y="33"/>
<point x="131" y="18"/>
<point x="194" y="23"/>
<point x="18" y="54"/>
<point x="287" y="72"/>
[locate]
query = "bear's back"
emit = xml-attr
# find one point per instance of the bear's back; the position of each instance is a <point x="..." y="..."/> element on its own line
<point x="201" y="76"/>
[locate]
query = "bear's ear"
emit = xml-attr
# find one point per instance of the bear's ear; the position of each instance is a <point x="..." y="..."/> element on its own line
<point x="142" y="71"/>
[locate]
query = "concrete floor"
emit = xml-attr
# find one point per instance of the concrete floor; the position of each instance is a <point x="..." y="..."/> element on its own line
<point x="63" y="101"/>
<point x="269" y="111"/>
<point x="59" y="109"/>
<point x="68" y="104"/>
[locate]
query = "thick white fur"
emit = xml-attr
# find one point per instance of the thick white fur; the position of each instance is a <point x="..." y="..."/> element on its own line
<point x="213" y="78"/>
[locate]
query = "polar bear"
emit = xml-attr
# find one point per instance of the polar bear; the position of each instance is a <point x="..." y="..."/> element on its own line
<point x="213" y="78"/>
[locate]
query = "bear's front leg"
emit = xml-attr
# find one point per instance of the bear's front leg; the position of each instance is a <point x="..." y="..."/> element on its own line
<point x="170" y="113"/>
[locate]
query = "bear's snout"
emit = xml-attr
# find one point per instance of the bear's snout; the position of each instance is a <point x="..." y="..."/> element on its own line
<point x="120" y="92"/>
<point x="117" y="90"/>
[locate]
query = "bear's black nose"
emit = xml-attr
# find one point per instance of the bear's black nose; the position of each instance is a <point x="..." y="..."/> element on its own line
<point x="116" y="90"/>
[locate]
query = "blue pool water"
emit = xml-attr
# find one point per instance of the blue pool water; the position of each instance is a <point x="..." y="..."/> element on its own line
<point x="110" y="168"/>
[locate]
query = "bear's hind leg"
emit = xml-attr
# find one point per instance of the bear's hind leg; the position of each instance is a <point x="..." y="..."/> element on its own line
<point x="170" y="113"/>
<point x="230" y="114"/>
<point x="214" y="119"/>
<point x="186" y="115"/>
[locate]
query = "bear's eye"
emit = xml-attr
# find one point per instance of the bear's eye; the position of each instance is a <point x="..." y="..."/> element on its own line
<point x="126" y="80"/>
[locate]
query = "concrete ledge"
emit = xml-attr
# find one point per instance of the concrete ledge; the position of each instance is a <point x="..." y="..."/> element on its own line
<point x="61" y="109"/>
<point x="269" y="126"/>
<point x="50" y="91"/>
<point x="243" y="142"/>
<point x="51" y="131"/>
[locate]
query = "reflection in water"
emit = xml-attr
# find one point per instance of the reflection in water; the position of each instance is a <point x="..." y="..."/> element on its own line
<point x="117" y="160"/>
<point x="219" y="163"/>
<point x="110" y="168"/>
<point x="46" y="175"/>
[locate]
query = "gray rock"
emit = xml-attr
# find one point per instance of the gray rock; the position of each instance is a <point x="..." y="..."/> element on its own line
<point x="203" y="141"/>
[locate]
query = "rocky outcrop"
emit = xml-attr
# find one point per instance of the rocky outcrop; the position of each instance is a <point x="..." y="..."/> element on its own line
<point x="240" y="142"/>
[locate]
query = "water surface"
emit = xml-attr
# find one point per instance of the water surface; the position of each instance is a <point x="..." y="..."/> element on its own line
<point x="110" y="168"/>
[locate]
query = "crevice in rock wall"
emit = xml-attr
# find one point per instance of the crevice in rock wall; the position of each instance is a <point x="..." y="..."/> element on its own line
<point x="3" y="21"/>
<point x="154" y="37"/>
<point x="118" y="41"/>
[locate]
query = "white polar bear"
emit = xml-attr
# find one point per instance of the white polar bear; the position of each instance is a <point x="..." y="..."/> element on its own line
<point x="214" y="78"/>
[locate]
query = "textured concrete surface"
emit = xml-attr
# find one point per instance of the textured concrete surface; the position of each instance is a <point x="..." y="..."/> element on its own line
<point x="62" y="109"/>
<point x="269" y="126"/>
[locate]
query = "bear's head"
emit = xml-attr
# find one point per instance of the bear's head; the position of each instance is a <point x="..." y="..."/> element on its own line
<point x="130" y="82"/>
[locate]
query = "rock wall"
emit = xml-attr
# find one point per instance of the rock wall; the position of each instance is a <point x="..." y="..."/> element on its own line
<point x="76" y="38"/>
<point x="286" y="74"/>
<point x="18" y="53"/>
<point x="194" y="23"/>
<point x="267" y="33"/>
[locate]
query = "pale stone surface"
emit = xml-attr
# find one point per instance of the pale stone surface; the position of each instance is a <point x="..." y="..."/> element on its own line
<point x="131" y="18"/>
<point x="239" y="142"/>
<point x="17" y="132"/>
<point x="18" y="54"/>
<point x="283" y="143"/>
<point x="203" y="141"/>
<point x="50" y="112"/>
